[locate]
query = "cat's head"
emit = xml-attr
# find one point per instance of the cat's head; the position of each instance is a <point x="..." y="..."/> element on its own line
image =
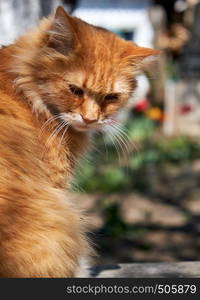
<point x="81" y="72"/>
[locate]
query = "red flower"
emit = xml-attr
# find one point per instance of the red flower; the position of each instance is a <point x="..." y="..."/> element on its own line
<point x="185" y="109"/>
<point x="142" y="105"/>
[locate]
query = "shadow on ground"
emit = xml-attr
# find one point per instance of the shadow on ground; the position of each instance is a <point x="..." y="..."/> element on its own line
<point x="161" y="225"/>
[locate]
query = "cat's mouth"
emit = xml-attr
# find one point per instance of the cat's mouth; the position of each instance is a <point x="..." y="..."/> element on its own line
<point x="77" y="123"/>
<point x="81" y="127"/>
<point x="86" y="127"/>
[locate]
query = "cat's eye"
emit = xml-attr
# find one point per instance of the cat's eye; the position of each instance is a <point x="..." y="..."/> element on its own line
<point x="76" y="90"/>
<point x="111" y="97"/>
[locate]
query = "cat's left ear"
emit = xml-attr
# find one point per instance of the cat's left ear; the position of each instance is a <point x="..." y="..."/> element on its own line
<point x="62" y="35"/>
<point x="140" y="58"/>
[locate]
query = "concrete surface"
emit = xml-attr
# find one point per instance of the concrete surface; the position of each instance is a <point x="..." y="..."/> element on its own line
<point x="150" y="270"/>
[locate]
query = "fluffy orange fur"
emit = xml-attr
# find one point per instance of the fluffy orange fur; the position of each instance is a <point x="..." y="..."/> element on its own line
<point x="58" y="83"/>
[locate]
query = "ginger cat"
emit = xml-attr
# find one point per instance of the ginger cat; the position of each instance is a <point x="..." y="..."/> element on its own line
<point x="58" y="84"/>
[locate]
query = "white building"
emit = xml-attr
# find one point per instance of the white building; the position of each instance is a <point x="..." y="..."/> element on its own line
<point x="126" y="17"/>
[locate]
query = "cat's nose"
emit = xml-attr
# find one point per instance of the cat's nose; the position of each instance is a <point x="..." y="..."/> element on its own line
<point x="88" y="120"/>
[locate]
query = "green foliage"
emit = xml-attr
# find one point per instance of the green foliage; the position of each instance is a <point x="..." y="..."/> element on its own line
<point x="178" y="150"/>
<point x="140" y="128"/>
<point x="113" y="226"/>
<point x="174" y="151"/>
<point x="101" y="179"/>
<point x="172" y="71"/>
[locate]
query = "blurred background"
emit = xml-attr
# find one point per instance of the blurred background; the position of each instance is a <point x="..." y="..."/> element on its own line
<point x="143" y="193"/>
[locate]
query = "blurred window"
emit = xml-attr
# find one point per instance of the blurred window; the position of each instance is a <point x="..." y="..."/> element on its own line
<point x="126" y="34"/>
<point x="129" y="18"/>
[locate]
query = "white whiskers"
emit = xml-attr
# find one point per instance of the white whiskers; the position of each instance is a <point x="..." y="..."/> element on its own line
<point x="120" y="140"/>
<point x="48" y="122"/>
<point x="55" y="129"/>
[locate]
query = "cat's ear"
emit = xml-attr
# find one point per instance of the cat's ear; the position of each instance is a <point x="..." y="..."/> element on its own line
<point x="140" y="58"/>
<point x="62" y="35"/>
